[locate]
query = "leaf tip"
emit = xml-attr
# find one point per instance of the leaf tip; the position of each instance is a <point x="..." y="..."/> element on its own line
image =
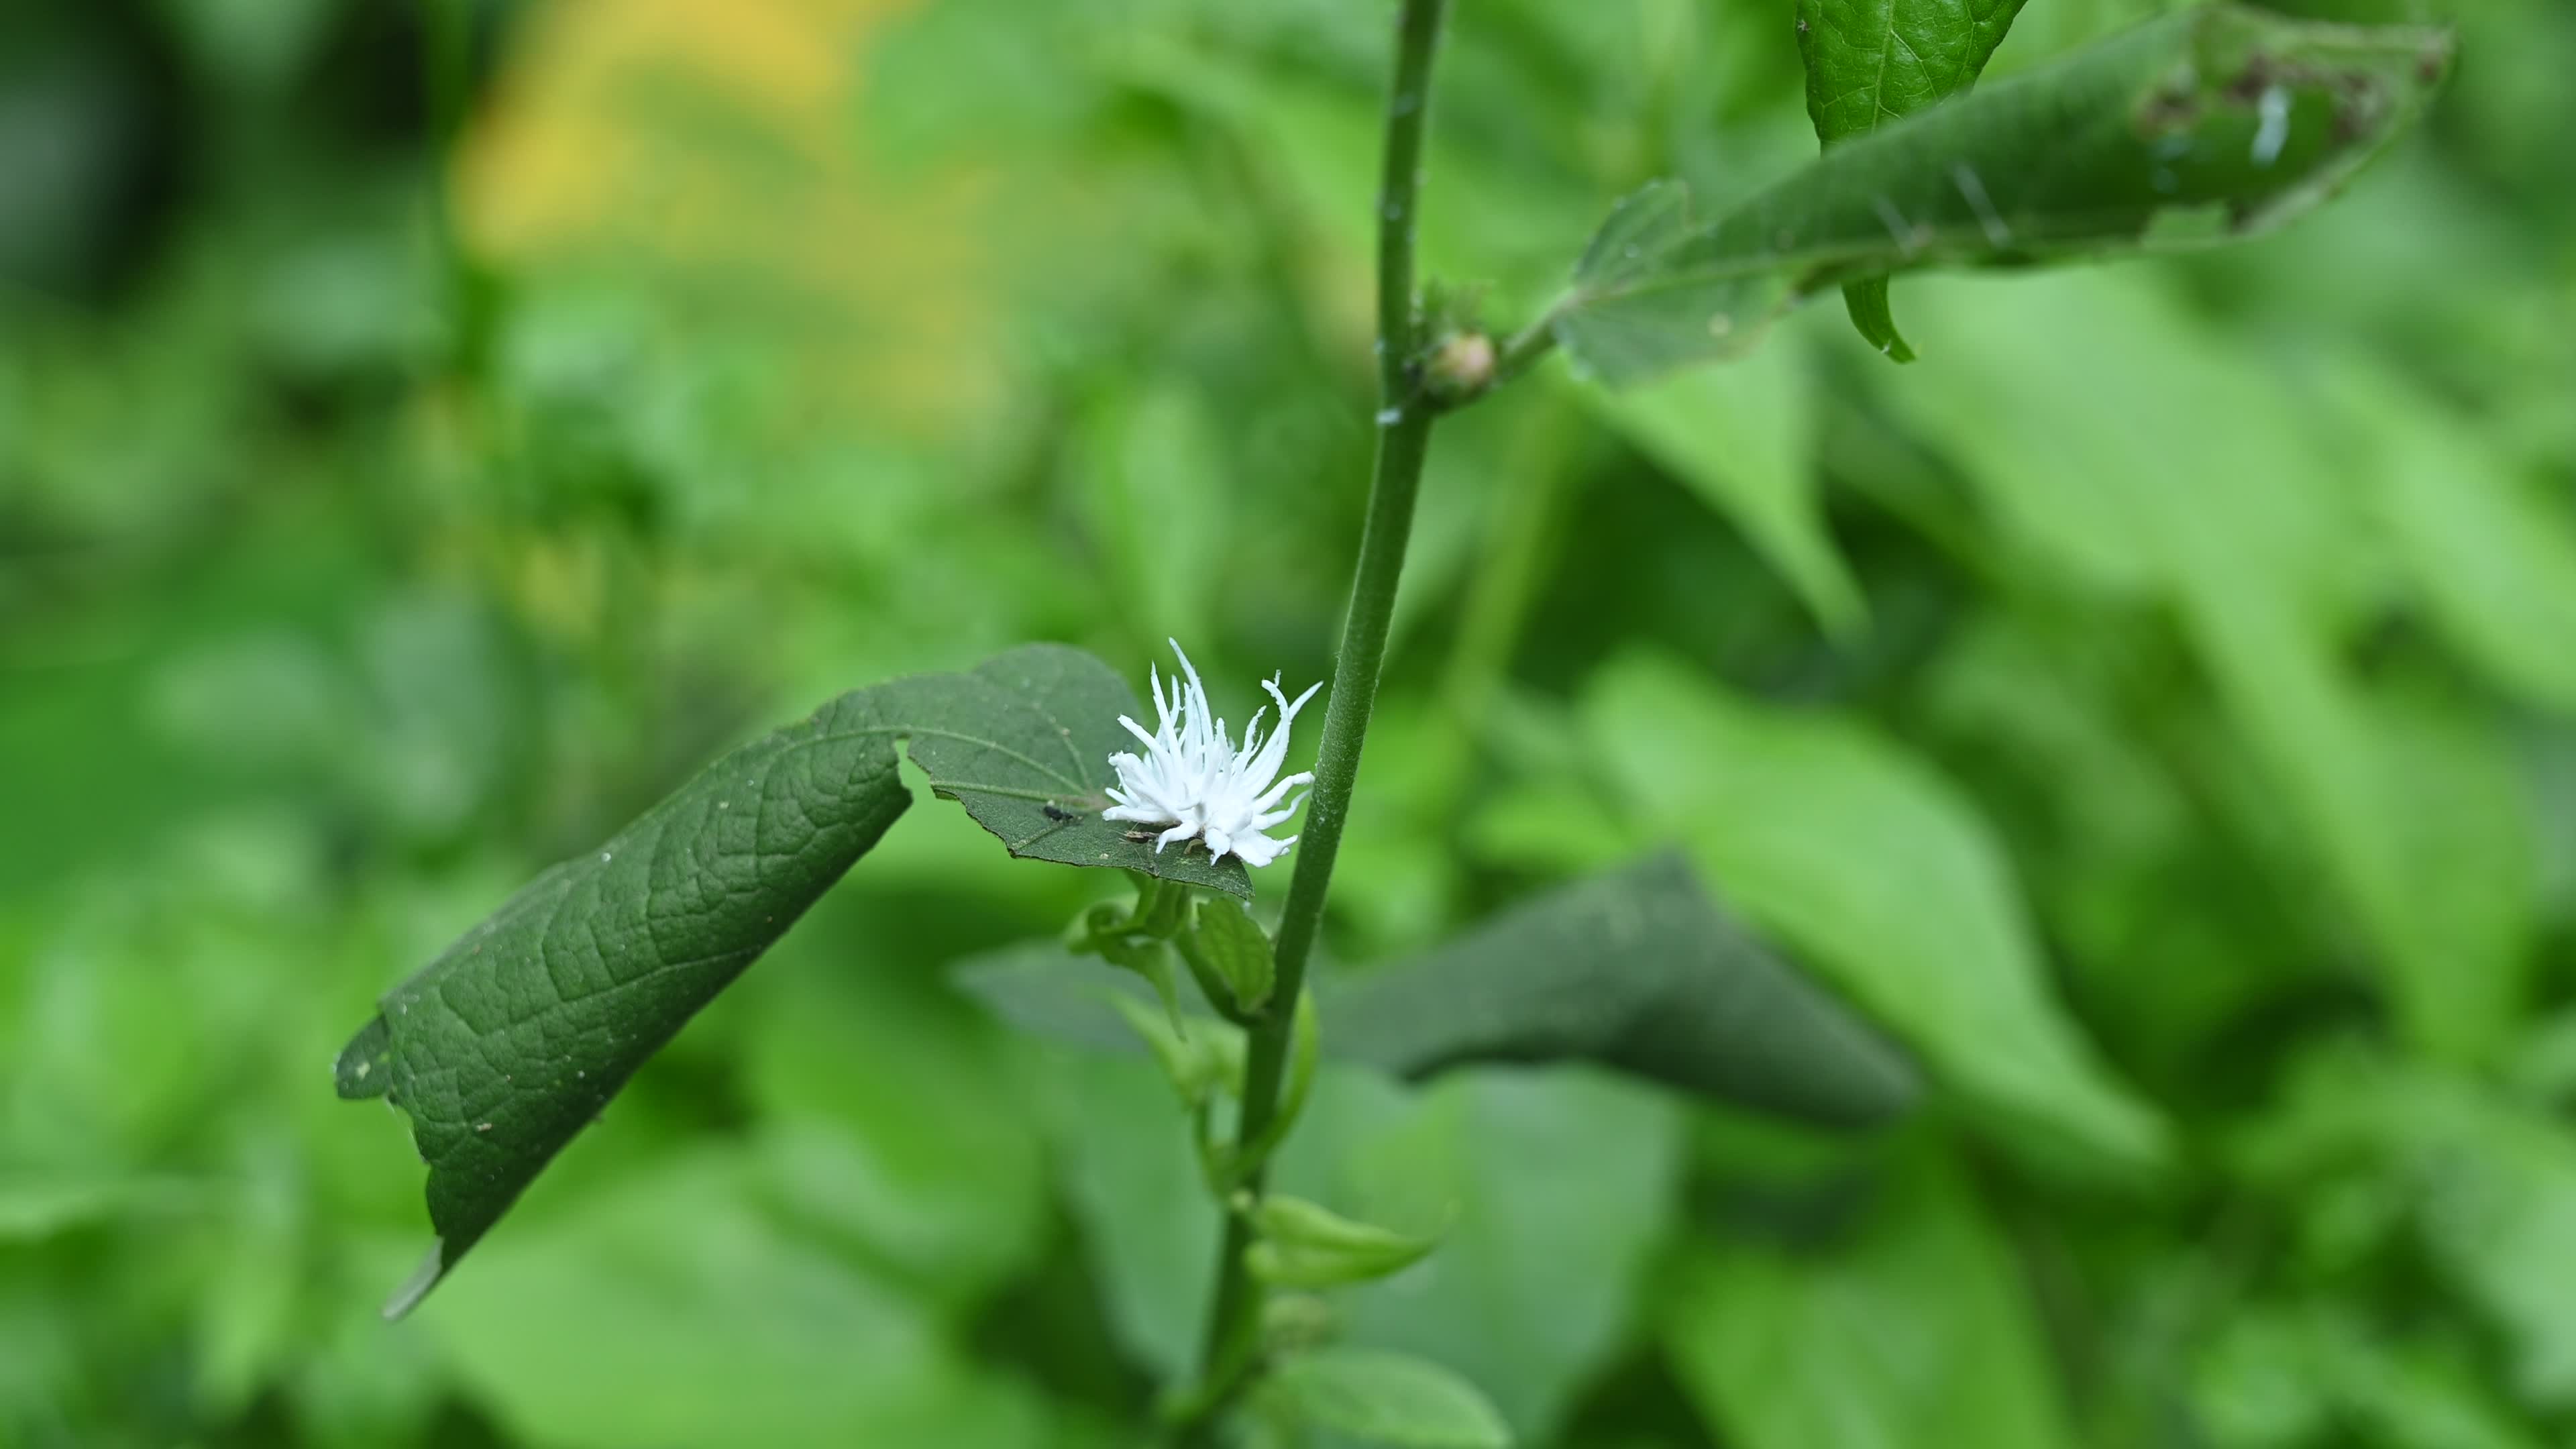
<point x="416" y="1287"/>
<point x="364" y="1067"/>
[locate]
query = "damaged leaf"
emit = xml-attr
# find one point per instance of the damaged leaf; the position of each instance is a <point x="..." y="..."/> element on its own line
<point x="2192" y="129"/>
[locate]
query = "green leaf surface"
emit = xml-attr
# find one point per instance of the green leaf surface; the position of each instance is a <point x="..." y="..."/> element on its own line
<point x="892" y="1123"/>
<point x="1880" y="874"/>
<point x="2193" y="129"/>
<point x="2491" y="557"/>
<point x="2487" y="1185"/>
<point x="1914" y="1332"/>
<point x="1385" y="1398"/>
<point x="1557" y="1187"/>
<point x="1043" y="989"/>
<point x="1873" y="61"/>
<point x="1133" y="1183"/>
<point x="506" y="1045"/>
<point x="2137" y="475"/>
<point x="1225" y="937"/>
<point x="1743" y="439"/>
<point x="1024" y="740"/>
<point x="1636" y="970"/>
<point x="674" y="1309"/>
<point x="34" y="1208"/>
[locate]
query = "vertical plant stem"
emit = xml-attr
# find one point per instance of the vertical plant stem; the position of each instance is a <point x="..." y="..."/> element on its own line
<point x="1404" y="435"/>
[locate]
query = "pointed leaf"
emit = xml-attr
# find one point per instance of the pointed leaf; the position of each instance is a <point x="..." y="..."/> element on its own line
<point x="1871" y="315"/>
<point x="518" y="1034"/>
<point x="2192" y="129"/>
<point x="1385" y="1398"/>
<point x="1636" y="970"/>
<point x="1873" y="61"/>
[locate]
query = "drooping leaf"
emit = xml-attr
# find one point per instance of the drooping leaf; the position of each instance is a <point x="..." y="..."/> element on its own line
<point x="1385" y="1398"/>
<point x="1873" y="61"/>
<point x="515" y="1037"/>
<point x="1636" y="970"/>
<point x="1880" y="875"/>
<point x="2205" y="125"/>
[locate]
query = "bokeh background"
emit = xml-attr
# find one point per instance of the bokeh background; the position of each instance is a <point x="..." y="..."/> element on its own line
<point x="428" y="431"/>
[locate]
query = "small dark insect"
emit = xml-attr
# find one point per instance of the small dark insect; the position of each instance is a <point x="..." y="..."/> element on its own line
<point x="1056" y="813"/>
<point x="1139" y="836"/>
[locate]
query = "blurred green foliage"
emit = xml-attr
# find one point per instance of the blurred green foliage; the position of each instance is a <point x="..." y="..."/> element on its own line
<point x="2156" y="707"/>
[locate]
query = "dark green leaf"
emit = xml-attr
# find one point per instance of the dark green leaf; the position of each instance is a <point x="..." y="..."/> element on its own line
<point x="502" y="1048"/>
<point x="1386" y="1398"/>
<point x="1028" y="733"/>
<point x="2192" y="129"/>
<point x="1873" y="61"/>
<point x="1636" y="970"/>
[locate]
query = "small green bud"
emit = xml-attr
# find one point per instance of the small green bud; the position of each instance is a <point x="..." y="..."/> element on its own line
<point x="1306" y="1245"/>
<point x="1295" y="1322"/>
<point x="1202" y="1059"/>
<point x="1224" y="942"/>
<point x="1460" y="366"/>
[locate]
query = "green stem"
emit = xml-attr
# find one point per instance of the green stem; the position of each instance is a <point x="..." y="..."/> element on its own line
<point x="1526" y="346"/>
<point x="1404" y="436"/>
